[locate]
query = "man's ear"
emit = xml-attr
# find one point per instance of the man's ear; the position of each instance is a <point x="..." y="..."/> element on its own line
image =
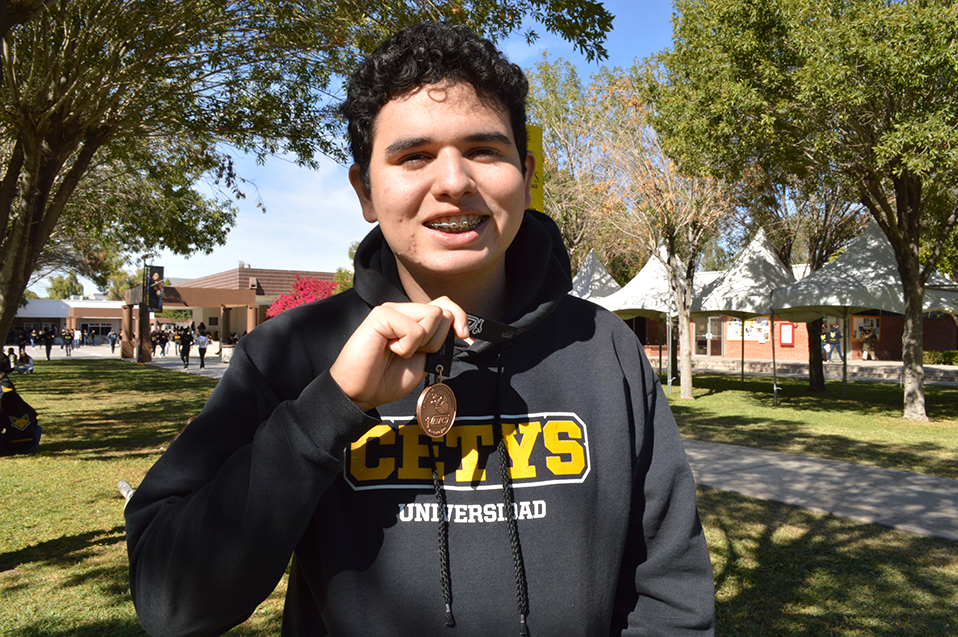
<point x="365" y="197"/>
<point x="529" y="176"/>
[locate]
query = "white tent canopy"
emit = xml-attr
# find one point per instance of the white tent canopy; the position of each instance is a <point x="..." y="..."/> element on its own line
<point x="593" y="281"/>
<point x="648" y="294"/>
<point x="864" y="277"/>
<point x="744" y="290"/>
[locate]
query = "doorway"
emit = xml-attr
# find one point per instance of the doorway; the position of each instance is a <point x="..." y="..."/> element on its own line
<point x="708" y="336"/>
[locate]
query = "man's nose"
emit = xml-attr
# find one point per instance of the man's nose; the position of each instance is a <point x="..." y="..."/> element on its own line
<point x="454" y="177"/>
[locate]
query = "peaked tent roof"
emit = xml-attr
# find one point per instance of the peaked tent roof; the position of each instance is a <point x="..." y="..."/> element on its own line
<point x="864" y="277"/>
<point x="648" y="293"/>
<point x="593" y="281"/>
<point x="744" y="290"/>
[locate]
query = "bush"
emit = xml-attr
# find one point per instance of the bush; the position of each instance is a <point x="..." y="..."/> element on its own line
<point x="940" y="358"/>
<point x="304" y="290"/>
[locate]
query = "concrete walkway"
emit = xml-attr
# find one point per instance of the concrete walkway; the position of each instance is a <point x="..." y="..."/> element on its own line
<point x="214" y="368"/>
<point x="910" y="502"/>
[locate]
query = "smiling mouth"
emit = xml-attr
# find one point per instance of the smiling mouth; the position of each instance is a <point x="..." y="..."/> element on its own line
<point x="455" y="225"/>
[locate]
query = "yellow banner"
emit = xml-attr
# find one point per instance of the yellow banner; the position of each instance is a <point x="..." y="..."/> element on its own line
<point x="534" y="134"/>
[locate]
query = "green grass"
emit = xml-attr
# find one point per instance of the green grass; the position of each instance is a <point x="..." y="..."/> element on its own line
<point x="866" y="428"/>
<point x="63" y="564"/>
<point x="784" y="571"/>
<point x="779" y="570"/>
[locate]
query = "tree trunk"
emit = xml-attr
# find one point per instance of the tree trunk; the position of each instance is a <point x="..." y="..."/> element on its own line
<point x="31" y="211"/>
<point x="685" y="355"/>
<point x="912" y="343"/>
<point x="816" y="371"/>
<point x="674" y="351"/>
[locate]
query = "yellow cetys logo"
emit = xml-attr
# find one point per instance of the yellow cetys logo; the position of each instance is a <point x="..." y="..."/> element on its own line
<point x="20" y="423"/>
<point x="543" y="449"/>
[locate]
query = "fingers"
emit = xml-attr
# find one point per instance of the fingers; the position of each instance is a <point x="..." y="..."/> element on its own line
<point x="414" y="327"/>
<point x="457" y="315"/>
<point x="383" y="360"/>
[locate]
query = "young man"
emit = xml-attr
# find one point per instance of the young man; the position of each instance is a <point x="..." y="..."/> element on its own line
<point x="202" y="342"/>
<point x="560" y="502"/>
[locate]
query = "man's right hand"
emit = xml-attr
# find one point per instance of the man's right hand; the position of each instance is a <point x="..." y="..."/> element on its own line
<point x="385" y="357"/>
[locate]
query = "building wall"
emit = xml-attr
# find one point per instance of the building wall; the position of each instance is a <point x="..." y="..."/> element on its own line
<point x="940" y="334"/>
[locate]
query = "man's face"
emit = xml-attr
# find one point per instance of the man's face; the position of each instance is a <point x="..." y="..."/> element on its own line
<point x="445" y="184"/>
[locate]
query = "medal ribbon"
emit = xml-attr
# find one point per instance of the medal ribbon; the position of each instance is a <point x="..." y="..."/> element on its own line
<point x="482" y="329"/>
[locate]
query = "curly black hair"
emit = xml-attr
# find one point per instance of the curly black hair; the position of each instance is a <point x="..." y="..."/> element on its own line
<point x="424" y="54"/>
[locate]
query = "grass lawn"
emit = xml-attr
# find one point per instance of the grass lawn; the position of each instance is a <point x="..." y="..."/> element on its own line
<point x="866" y="428"/>
<point x="779" y="570"/>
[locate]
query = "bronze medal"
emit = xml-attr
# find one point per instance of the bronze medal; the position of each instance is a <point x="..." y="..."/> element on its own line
<point x="436" y="410"/>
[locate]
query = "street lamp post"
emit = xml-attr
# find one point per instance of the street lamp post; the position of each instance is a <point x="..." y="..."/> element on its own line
<point x="144" y="315"/>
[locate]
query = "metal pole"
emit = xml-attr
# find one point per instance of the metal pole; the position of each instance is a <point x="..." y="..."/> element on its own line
<point x="845" y="342"/>
<point x="742" y="331"/>
<point x="774" y="369"/>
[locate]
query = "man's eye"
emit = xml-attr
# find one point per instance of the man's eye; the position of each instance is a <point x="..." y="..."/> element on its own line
<point x="414" y="158"/>
<point x="485" y="151"/>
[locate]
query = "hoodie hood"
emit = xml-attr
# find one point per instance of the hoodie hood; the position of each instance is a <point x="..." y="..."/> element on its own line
<point x="538" y="273"/>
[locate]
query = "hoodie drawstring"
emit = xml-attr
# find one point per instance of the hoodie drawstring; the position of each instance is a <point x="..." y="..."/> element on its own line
<point x="444" y="574"/>
<point x="522" y="591"/>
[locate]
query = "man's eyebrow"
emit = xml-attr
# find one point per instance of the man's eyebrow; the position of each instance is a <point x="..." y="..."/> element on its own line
<point x="402" y="145"/>
<point x="495" y="138"/>
<point x="410" y="143"/>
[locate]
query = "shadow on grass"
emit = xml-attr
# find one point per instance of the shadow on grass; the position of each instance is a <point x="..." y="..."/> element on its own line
<point x="780" y="570"/>
<point x="101" y="409"/>
<point x="107" y="628"/>
<point x="64" y="550"/>
<point x="865" y="398"/>
<point x="756" y="423"/>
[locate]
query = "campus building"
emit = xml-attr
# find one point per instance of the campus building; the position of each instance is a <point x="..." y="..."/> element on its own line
<point x="228" y="303"/>
<point x="721" y="337"/>
<point x="85" y="314"/>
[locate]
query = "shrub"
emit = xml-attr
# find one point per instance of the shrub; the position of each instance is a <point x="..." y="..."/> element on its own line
<point x="304" y="290"/>
<point x="940" y="358"/>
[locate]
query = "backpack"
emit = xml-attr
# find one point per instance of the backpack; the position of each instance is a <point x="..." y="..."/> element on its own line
<point x="19" y="429"/>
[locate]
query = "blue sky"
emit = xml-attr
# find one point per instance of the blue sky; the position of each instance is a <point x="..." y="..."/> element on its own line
<point x="312" y="216"/>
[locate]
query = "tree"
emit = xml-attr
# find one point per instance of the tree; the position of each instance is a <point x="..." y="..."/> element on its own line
<point x="304" y="290"/>
<point x="577" y="182"/>
<point x="166" y="90"/>
<point x="806" y="219"/>
<point x="120" y="281"/>
<point x="63" y="287"/>
<point x="861" y="89"/>
<point x="344" y="276"/>
<point x="658" y="205"/>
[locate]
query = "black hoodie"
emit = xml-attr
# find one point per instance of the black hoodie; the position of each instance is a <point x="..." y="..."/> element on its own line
<point x="280" y="463"/>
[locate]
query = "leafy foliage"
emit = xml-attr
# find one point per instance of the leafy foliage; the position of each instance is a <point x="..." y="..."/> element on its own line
<point x="111" y="111"/>
<point x="577" y="183"/>
<point x="304" y="290"/>
<point x="855" y="90"/>
<point x="64" y="286"/>
<point x="120" y="281"/>
<point x="344" y="276"/>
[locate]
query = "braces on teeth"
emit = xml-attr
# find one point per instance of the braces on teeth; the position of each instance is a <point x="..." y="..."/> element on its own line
<point x="456" y="226"/>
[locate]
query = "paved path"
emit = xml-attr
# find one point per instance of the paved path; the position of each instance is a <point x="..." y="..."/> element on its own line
<point x="214" y="368"/>
<point x="910" y="502"/>
<point x="905" y="501"/>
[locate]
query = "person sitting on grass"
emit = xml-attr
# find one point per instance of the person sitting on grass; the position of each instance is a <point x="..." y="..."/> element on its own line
<point x="24" y="364"/>
<point x="19" y="429"/>
<point x="8" y="361"/>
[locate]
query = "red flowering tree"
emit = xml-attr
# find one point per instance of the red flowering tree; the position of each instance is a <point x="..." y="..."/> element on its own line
<point x="304" y="290"/>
